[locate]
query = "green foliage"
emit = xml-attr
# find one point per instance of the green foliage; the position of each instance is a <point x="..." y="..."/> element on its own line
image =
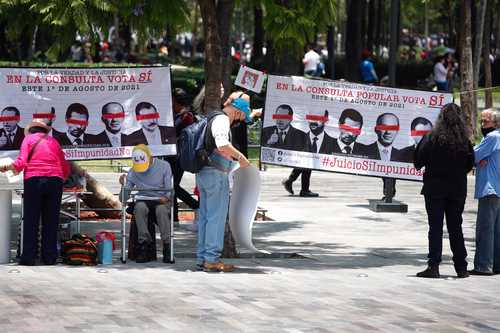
<point x="292" y="25"/>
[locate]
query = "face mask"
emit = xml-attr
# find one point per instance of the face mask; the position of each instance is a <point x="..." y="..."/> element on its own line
<point x="485" y="131"/>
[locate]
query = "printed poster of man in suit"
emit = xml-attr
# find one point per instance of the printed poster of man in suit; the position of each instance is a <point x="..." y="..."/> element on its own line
<point x="11" y="134"/>
<point x="386" y="129"/>
<point x="419" y="127"/>
<point x="318" y="140"/>
<point x="77" y="120"/>
<point x="112" y="116"/>
<point x="283" y="135"/>
<point x="150" y="132"/>
<point x="350" y="125"/>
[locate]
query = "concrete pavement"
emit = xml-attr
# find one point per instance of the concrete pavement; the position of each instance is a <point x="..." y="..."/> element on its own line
<point x="354" y="272"/>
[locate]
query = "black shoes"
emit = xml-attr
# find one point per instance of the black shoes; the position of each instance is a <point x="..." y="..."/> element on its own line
<point x="308" y="194"/>
<point x="462" y="274"/>
<point x="142" y="253"/>
<point x="431" y="272"/>
<point x="288" y="186"/>
<point x="474" y="272"/>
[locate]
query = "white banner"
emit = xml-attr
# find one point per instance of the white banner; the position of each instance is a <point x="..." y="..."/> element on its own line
<point x="96" y="113"/>
<point x="346" y="127"/>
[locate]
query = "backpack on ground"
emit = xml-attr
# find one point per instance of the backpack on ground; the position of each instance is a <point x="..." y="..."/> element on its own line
<point x="80" y="250"/>
<point x="193" y="146"/>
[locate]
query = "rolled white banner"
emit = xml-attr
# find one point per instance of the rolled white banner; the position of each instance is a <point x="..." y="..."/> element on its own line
<point x="243" y="205"/>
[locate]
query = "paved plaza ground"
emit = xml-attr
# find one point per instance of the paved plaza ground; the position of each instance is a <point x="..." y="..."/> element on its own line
<point x="354" y="272"/>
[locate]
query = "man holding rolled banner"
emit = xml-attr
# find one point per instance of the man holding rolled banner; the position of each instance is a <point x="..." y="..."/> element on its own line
<point x="11" y="134"/>
<point x="77" y="119"/>
<point x="112" y="118"/>
<point x="151" y="132"/>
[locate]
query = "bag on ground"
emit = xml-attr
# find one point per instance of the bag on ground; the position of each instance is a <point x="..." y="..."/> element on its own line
<point x="80" y="250"/>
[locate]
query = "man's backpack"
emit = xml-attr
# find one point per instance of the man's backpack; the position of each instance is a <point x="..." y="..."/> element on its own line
<point x="193" y="146"/>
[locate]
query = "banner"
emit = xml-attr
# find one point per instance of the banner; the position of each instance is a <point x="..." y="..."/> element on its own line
<point x="96" y="113"/>
<point x="346" y="127"/>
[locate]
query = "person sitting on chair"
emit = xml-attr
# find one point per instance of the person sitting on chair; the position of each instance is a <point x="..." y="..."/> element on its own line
<point x="148" y="175"/>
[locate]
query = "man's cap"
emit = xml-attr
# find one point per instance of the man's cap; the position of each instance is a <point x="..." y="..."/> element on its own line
<point x="244" y="106"/>
<point x="141" y="157"/>
<point x="38" y="122"/>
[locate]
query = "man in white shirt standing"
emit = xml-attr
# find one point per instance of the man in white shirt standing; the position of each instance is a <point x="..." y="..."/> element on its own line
<point x="311" y="61"/>
<point x="440" y="74"/>
<point x="213" y="184"/>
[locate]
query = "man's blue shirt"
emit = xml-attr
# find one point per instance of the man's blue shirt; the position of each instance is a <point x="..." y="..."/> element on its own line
<point x="488" y="176"/>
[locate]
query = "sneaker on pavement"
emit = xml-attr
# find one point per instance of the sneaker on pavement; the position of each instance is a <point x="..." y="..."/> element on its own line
<point x="218" y="267"/>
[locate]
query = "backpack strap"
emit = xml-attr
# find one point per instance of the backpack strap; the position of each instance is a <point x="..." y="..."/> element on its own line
<point x="209" y="139"/>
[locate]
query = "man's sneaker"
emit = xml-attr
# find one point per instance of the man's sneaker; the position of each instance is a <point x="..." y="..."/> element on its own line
<point x="199" y="267"/>
<point x="462" y="274"/>
<point x="217" y="267"/>
<point x="431" y="272"/>
<point x="308" y="194"/>
<point x="288" y="186"/>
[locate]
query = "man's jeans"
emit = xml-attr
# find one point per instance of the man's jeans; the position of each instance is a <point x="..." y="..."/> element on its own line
<point x="487" y="257"/>
<point x="214" y="201"/>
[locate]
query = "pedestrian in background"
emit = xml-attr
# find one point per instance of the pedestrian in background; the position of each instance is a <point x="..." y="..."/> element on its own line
<point x="487" y="156"/>
<point x="447" y="155"/>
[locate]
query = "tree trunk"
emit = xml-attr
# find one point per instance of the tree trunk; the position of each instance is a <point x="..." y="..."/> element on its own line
<point x="478" y="43"/>
<point x="393" y="47"/>
<point x="452" y="33"/>
<point x="497" y="29"/>
<point x="371" y="23"/>
<point x="224" y="17"/>
<point x="363" y="23"/>
<point x="194" y="40"/>
<point x="258" y="37"/>
<point x="353" y="41"/>
<point x="213" y="54"/>
<point x="467" y="98"/>
<point x="100" y="197"/>
<point x="488" y="95"/>
<point x="330" y="45"/>
<point x="378" y="31"/>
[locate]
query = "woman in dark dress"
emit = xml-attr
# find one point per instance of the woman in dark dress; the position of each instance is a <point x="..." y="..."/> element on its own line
<point x="447" y="155"/>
